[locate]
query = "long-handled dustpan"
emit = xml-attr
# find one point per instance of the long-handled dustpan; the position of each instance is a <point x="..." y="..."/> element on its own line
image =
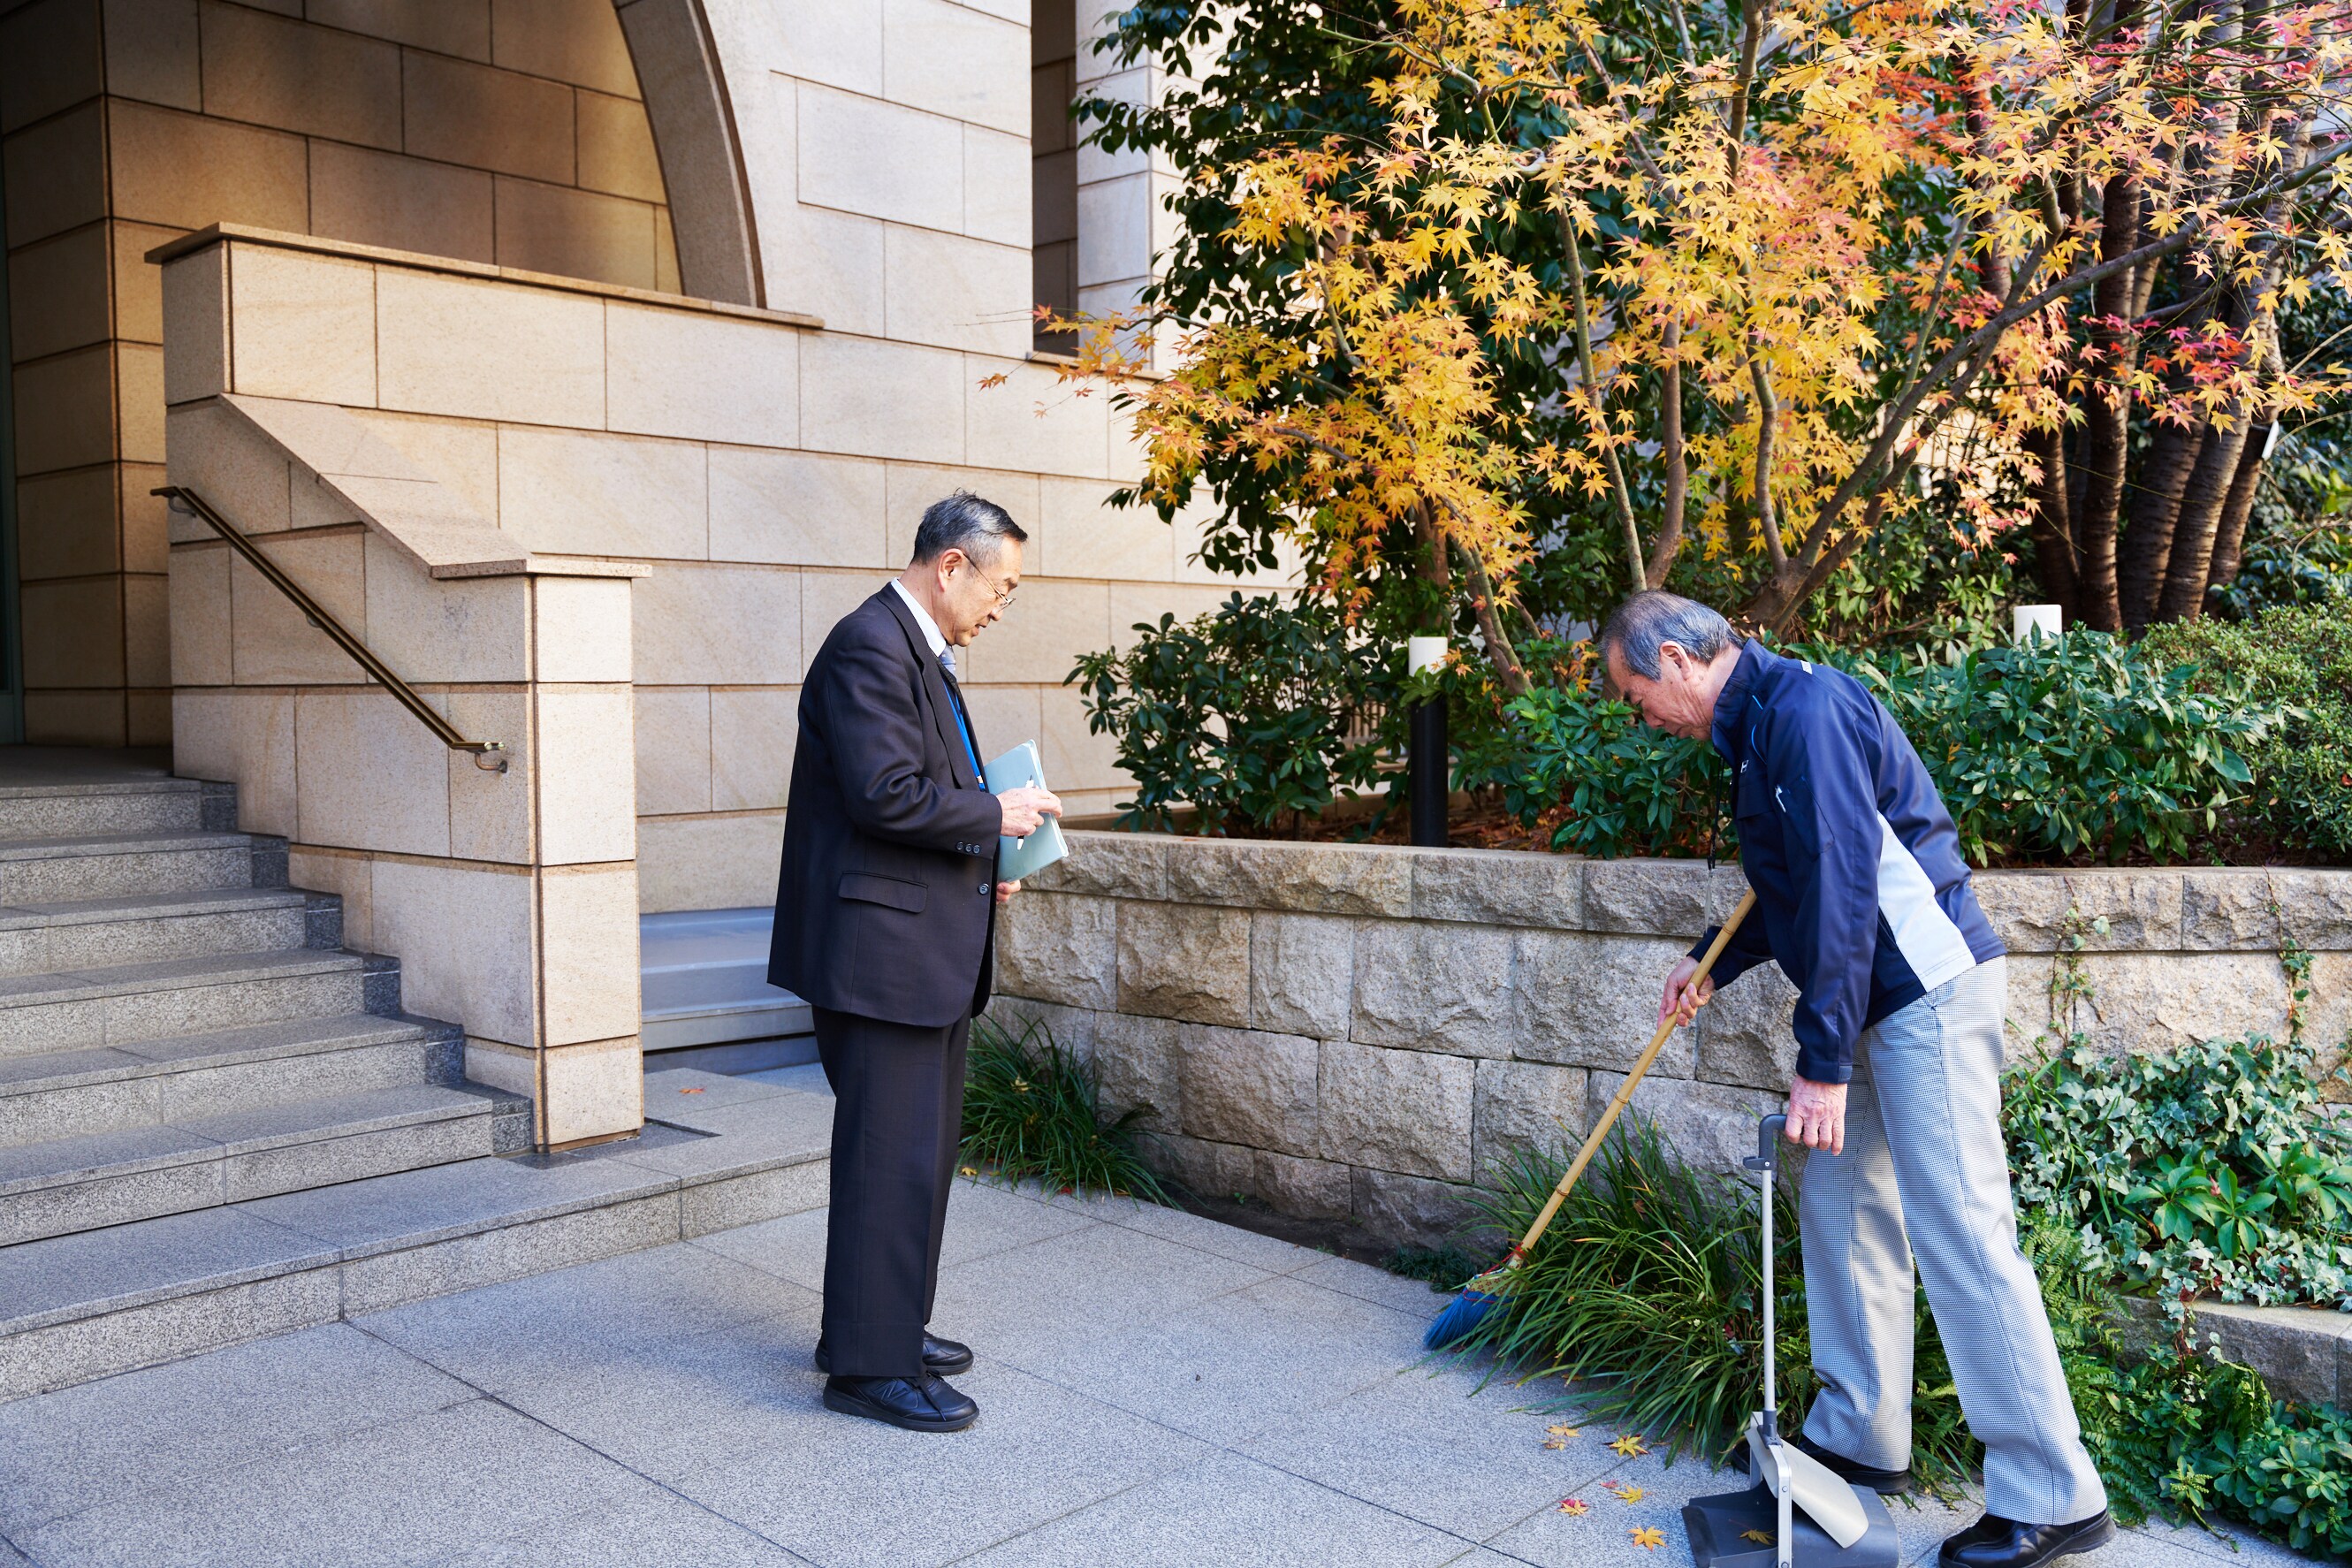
<point x="1800" y="1513"/>
<point x="1480" y="1295"/>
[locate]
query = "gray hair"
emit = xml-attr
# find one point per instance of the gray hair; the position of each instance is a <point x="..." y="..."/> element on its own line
<point x="964" y="522"/>
<point x="1643" y="624"/>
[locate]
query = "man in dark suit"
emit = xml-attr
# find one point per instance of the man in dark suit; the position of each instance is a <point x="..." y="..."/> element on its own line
<point x="886" y="914"/>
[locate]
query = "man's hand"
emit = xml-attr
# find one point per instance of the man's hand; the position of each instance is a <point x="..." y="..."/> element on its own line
<point x="1684" y="999"/>
<point x="1816" y="1115"/>
<point x="1004" y="891"/>
<point x="1024" y="808"/>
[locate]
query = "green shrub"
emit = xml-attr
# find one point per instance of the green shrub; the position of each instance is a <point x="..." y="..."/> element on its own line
<point x="1030" y="1109"/>
<point x="2213" y="1168"/>
<point x="1616" y="786"/>
<point x="2071" y="745"/>
<point x="2299" y="662"/>
<point x="1254" y="714"/>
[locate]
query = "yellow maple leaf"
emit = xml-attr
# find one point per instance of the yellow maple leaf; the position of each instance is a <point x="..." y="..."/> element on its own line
<point x="1575" y="1507"/>
<point x="1759" y="1537"/>
<point x="1629" y="1445"/>
<point x="1564" y="1431"/>
<point x="691" y="1091"/>
<point x="1630" y="1494"/>
<point x="1648" y="1537"/>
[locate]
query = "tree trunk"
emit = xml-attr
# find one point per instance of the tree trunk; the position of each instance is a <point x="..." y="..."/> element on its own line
<point x="2053" y="533"/>
<point x="1669" y="542"/>
<point x="2230" y="536"/>
<point x="2145" y="552"/>
<point x="2201" y="499"/>
<point x="2107" y="413"/>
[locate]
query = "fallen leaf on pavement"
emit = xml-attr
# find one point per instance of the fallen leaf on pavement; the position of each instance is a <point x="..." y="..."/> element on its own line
<point x="1629" y="1445"/>
<point x="692" y="1091"/>
<point x="1630" y="1494"/>
<point x="1577" y="1506"/>
<point x="1649" y="1538"/>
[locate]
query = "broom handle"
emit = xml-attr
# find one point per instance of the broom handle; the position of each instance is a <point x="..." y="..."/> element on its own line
<point x="1625" y="1091"/>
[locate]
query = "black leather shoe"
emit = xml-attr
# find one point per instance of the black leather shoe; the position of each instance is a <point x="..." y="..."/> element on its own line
<point x="1885" y="1482"/>
<point x="1993" y="1541"/>
<point x="940" y="1357"/>
<point x="927" y="1404"/>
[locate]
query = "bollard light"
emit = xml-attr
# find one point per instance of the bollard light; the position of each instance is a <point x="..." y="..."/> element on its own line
<point x="2028" y="621"/>
<point x="1425" y="761"/>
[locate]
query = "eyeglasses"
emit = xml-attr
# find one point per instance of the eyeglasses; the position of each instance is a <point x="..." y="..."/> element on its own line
<point x="1004" y="596"/>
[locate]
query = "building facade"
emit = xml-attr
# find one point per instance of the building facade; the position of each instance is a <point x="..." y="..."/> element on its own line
<point x="585" y="361"/>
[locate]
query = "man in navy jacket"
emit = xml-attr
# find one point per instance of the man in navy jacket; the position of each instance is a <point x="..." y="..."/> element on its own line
<point x="1863" y="899"/>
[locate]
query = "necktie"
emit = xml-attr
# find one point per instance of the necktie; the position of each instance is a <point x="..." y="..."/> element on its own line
<point x="963" y="720"/>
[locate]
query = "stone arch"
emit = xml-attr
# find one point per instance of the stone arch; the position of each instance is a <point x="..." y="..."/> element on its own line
<point x="701" y="152"/>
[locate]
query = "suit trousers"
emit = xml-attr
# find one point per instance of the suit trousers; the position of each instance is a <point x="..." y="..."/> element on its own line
<point x="898" y="1122"/>
<point x="1923" y="1172"/>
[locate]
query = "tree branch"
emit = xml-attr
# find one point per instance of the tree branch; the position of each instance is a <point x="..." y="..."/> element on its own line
<point x="1634" y="562"/>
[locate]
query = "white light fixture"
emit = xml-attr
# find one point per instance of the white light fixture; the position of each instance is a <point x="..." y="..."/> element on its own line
<point x="1423" y="653"/>
<point x="2029" y="621"/>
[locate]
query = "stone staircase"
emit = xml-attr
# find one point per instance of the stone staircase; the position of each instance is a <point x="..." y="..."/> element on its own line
<point x="179" y="1030"/>
<point x="216" y="1124"/>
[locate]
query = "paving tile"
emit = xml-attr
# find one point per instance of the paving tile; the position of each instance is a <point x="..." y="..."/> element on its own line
<point x="807" y="1076"/>
<point x="1232" y="1365"/>
<point x="780" y="1125"/>
<point x="595" y="1317"/>
<point x="1349" y="1278"/>
<point x="11" y="1558"/>
<point x="688" y="1403"/>
<point x="39" y="1280"/>
<point x="1434" y="1446"/>
<point x="790" y="1247"/>
<point x="982" y="1219"/>
<point x="1233" y="1512"/>
<point x="409" y="1491"/>
<point x="692" y="1088"/>
<point x="665" y="1531"/>
<point x="63" y="1452"/>
<point x="1603" y="1537"/>
<point x="1090" y="1285"/>
<point x="442" y="1201"/>
<point x="886" y="1499"/>
<point x="2245" y="1549"/>
<point x="1208" y="1235"/>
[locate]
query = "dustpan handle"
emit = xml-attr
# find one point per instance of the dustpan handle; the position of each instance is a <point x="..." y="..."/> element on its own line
<point x="1766" y="1163"/>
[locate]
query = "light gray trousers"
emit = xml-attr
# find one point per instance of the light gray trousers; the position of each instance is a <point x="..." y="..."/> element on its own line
<point x="1923" y="1174"/>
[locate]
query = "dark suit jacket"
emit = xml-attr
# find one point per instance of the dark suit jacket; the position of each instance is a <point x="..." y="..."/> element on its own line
<point x="885" y="905"/>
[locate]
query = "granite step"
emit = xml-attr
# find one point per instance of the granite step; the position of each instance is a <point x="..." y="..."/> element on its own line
<point x="122" y="864"/>
<point x="96" y="1302"/>
<point x="69" y="1184"/>
<point x="142" y="1083"/>
<point x="128" y="806"/>
<point x="126" y="1003"/>
<point x="146" y="927"/>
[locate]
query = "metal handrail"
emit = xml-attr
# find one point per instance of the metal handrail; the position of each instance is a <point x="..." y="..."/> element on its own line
<point x="488" y="755"/>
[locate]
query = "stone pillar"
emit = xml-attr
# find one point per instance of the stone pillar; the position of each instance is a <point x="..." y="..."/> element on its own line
<point x="511" y="897"/>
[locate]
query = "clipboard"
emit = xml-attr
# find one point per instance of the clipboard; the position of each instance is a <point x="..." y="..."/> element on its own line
<point x="1017" y="858"/>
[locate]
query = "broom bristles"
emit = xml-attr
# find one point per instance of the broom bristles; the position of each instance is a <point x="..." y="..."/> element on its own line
<point x="1466" y="1310"/>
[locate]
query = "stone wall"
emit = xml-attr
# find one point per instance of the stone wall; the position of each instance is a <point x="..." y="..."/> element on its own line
<point x="513" y="135"/>
<point x="1363" y="1033"/>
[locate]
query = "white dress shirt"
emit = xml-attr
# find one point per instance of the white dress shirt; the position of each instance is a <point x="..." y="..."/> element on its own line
<point x="930" y="628"/>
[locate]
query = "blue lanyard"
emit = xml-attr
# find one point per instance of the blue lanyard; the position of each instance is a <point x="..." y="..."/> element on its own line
<point x="964" y="727"/>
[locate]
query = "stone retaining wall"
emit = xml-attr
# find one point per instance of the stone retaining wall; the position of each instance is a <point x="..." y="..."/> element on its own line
<point x="1364" y="1033"/>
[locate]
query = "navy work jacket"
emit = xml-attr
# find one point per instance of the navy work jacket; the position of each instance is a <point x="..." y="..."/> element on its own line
<point x="1860" y="891"/>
